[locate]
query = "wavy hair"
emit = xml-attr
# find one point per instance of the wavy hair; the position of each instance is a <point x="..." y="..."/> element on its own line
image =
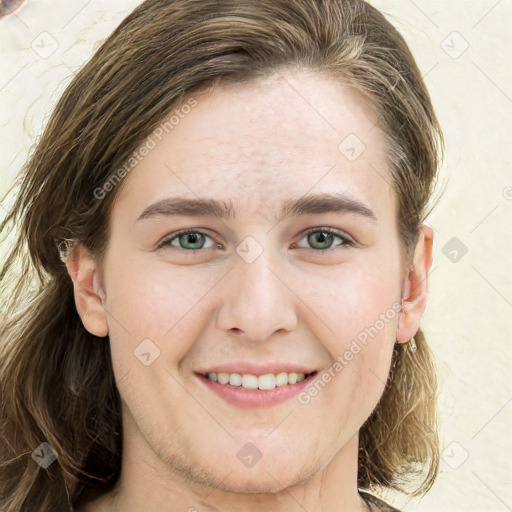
<point x="56" y="379"/>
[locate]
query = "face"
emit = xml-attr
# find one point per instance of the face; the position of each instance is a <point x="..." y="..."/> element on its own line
<point x="265" y="287"/>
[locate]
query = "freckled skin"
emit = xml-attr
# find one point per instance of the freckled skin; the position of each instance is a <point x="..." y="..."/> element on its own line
<point x="255" y="146"/>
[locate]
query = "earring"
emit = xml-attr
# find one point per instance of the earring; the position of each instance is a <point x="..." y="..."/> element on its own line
<point x="412" y="345"/>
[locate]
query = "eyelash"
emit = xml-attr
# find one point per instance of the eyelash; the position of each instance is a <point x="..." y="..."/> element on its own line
<point x="347" y="242"/>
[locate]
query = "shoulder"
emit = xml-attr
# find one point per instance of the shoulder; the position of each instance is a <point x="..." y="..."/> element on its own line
<point x="376" y="504"/>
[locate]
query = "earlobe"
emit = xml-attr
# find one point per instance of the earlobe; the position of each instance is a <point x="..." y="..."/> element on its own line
<point x="89" y="294"/>
<point x="415" y="287"/>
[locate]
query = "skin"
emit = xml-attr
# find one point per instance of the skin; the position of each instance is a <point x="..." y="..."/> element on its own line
<point x="255" y="146"/>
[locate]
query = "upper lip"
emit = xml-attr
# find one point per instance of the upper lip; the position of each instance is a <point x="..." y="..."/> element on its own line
<point x="255" y="368"/>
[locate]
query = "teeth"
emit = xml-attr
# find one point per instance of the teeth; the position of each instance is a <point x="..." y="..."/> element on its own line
<point x="281" y="379"/>
<point x="235" y="379"/>
<point x="223" y="378"/>
<point x="267" y="381"/>
<point x="248" y="381"/>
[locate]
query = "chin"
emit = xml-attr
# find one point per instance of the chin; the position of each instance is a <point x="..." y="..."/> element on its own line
<point x="260" y="484"/>
<point x="264" y="479"/>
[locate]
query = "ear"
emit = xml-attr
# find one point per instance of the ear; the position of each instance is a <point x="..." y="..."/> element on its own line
<point x="89" y="296"/>
<point x="415" y="287"/>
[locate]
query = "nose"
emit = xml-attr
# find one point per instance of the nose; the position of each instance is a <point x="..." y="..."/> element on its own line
<point x="257" y="299"/>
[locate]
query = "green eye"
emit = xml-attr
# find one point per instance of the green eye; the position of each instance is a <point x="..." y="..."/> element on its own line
<point x="188" y="240"/>
<point x="322" y="239"/>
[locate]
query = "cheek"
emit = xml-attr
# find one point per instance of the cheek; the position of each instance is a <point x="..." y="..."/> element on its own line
<point x="152" y="298"/>
<point x="155" y="309"/>
<point x="361" y="307"/>
<point x="359" y="303"/>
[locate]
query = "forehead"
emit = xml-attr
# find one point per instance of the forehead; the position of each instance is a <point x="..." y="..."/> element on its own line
<point x="258" y="143"/>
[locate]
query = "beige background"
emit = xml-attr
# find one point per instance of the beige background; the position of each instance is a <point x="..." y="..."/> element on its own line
<point x="463" y="49"/>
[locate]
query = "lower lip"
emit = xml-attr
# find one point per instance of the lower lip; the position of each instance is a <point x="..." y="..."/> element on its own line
<point x="241" y="397"/>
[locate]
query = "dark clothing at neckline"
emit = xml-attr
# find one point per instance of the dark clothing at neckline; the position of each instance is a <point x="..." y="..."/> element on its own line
<point x="376" y="504"/>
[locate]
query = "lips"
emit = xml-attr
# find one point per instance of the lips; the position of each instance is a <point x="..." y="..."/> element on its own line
<point x="267" y="394"/>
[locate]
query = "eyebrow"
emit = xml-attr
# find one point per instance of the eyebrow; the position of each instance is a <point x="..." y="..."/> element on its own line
<point x="307" y="205"/>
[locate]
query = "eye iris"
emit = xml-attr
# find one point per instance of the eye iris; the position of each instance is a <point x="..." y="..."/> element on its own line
<point x="324" y="239"/>
<point x="193" y="239"/>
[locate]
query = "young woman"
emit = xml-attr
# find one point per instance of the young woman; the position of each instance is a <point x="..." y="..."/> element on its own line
<point x="214" y="293"/>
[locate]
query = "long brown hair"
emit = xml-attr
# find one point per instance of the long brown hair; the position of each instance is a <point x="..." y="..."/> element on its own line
<point x="56" y="379"/>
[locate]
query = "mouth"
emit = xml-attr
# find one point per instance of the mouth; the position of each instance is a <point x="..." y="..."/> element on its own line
<point x="265" y="382"/>
<point x="246" y="390"/>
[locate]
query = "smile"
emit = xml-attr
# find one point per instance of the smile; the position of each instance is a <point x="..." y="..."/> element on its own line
<point x="267" y="381"/>
<point x="249" y="390"/>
